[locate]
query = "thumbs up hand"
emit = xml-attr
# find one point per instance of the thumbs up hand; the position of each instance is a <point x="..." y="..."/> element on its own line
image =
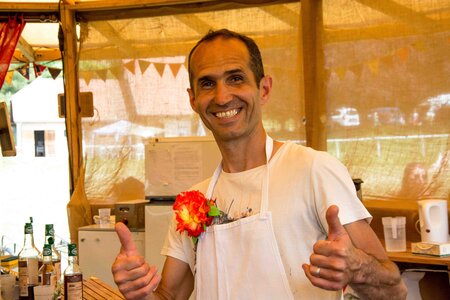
<point x="133" y="276"/>
<point x="335" y="259"/>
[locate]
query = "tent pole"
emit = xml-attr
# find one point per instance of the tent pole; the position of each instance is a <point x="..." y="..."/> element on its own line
<point x="313" y="66"/>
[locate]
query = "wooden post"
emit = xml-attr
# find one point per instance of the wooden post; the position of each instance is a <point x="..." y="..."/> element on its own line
<point x="313" y="62"/>
<point x="73" y="119"/>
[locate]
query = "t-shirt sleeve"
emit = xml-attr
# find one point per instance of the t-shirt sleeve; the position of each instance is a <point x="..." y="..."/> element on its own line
<point x="173" y="244"/>
<point x="332" y="184"/>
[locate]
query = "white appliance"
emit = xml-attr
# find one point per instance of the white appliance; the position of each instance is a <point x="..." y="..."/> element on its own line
<point x="157" y="219"/>
<point x="98" y="248"/>
<point x="433" y="218"/>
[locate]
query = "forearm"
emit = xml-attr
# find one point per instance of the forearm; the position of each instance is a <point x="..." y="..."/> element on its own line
<point x="377" y="279"/>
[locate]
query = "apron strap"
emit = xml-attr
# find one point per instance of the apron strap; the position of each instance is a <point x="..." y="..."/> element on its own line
<point x="265" y="181"/>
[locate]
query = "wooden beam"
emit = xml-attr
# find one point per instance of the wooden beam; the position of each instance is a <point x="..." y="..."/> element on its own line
<point x="313" y="69"/>
<point x="123" y="5"/>
<point x="40" y="55"/>
<point x="26" y="50"/>
<point x="29" y="6"/>
<point x="194" y="23"/>
<point x="282" y="13"/>
<point x="402" y="13"/>
<point x="73" y="119"/>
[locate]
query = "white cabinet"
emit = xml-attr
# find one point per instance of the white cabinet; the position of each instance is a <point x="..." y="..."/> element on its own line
<point x="98" y="248"/>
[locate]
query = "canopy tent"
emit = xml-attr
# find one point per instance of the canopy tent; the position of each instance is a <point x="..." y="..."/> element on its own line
<point x="324" y="55"/>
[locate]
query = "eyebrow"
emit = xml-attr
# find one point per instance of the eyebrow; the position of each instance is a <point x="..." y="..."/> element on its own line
<point x="227" y="73"/>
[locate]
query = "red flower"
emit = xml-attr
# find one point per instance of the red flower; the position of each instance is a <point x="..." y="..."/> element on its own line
<point x="192" y="211"/>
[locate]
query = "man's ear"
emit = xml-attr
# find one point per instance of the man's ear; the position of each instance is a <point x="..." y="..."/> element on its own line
<point x="265" y="87"/>
<point x="191" y="99"/>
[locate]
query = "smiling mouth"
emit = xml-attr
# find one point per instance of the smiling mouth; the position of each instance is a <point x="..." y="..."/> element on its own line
<point x="227" y="114"/>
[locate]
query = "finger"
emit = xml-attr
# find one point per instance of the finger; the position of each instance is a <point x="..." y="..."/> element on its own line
<point x="335" y="228"/>
<point x="126" y="240"/>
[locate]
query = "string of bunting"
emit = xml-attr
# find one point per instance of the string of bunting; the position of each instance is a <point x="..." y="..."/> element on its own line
<point x="25" y="70"/>
<point x="399" y="55"/>
<point x="131" y="66"/>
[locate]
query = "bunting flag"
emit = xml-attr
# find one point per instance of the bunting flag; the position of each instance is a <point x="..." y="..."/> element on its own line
<point x="54" y="72"/>
<point x="159" y="68"/>
<point x="175" y="69"/>
<point x="24" y="71"/>
<point x="341" y="73"/>
<point x="403" y="54"/>
<point x="116" y="71"/>
<point x="86" y="76"/>
<point x="143" y="65"/>
<point x="38" y="69"/>
<point x="9" y="77"/>
<point x="103" y="74"/>
<point x="374" y="66"/>
<point x="130" y="66"/>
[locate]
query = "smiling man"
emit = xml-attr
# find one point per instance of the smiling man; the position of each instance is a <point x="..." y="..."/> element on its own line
<point x="293" y="225"/>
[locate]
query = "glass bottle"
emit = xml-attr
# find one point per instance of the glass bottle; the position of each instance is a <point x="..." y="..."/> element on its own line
<point x="56" y="256"/>
<point x="73" y="278"/>
<point x="28" y="264"/>
<point x="47" y="274"/>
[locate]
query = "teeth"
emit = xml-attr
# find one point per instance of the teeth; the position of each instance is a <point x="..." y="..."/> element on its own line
<point x="227" y="114"/>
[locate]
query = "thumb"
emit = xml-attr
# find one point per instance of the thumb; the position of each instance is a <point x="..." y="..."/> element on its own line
<point x="126" y="240"/>
<point x="335" y="228"/>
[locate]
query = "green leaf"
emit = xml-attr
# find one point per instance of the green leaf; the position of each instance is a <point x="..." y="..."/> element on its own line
<point x="214" y="211"/>
<point x="195" y="239"/>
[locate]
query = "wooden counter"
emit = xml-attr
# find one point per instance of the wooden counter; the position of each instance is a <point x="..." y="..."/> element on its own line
<point x="408" y="257"/>
<point x="94" y="289"/>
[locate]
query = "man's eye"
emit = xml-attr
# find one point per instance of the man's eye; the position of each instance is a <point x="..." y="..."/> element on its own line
<point x="206" y="84"/>
<point x="236" y="79"/>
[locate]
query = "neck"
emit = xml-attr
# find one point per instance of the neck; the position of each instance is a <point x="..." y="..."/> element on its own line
<point x="245" y="153"/>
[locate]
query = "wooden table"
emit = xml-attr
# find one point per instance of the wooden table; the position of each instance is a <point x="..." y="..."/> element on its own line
<point x="408" y="257"/>
<point x="94" y="289"/>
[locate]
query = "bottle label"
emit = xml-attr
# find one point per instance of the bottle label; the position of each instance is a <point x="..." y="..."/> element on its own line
<point x="73" y="287"/>
<point x="28" y="275"/>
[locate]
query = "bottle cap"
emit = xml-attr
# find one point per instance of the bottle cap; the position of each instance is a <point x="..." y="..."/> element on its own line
<point x="28" y="228"/>
<point x="72" y="249"/>
<point x="47" y="251"/>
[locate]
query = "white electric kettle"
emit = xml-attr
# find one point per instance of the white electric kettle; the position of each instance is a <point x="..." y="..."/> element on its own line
<point x="433" y="218"/>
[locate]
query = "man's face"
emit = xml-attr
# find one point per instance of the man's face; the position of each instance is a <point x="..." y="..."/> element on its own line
<point x="224" y="91"/>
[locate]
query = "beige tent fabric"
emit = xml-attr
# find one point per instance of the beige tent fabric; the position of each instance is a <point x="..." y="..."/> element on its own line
<point x="389" y="61"/>
<point x="387" y="72"/>
<point x="137" y="71"/>
<point x="78" y="208"/>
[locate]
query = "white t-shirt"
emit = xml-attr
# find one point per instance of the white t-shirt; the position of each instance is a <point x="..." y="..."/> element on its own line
<point x="303" y="183"/>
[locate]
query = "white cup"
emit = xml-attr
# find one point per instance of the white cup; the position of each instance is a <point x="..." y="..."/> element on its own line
<point x="43" y="292"/>
<point x="394" y="233"/>
<point x="104" y="214"/>
<point x="8" y="282"/>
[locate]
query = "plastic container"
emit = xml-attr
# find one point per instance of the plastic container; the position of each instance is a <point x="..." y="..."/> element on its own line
<point x="394" y="233"/>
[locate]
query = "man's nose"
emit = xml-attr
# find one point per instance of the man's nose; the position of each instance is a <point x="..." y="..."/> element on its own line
<point x="222" y="94"/>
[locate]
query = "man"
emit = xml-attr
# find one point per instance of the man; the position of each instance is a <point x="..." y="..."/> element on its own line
<point x="281" y="200"/>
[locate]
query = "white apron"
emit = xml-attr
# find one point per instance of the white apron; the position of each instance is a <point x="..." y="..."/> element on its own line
<point x="241" y="260"/>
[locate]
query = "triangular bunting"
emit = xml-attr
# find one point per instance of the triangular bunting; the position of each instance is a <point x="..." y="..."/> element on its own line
<point x="374" y="66"/>
<point x="159" y="68"/>
<point x="24" y="71"/>
<point x="86" y="76"/>
<point x="356" y="69"/>
<point x="9" y="77"/>
<point x="54" y="72"/>
<point x="387" y="60"/>
<point x="403" y="54"/>
<point x="175" y="69"/>
<point x="38" y="69"/>
<point x="102" y="74"/>
<point x="130" y="66"/>
<point x="116" y="71"/>
<point x="143" y="65"/>
<point x="419" y="46"/>
<point x="340" y="73"/>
